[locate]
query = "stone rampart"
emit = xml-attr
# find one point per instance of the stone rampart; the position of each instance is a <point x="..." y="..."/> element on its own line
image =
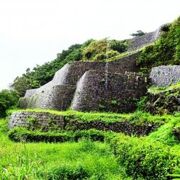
<point x="98" y="91"/>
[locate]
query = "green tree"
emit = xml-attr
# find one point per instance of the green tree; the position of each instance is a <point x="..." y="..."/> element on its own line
<point x="40" y="75"/>
<point x="138" y="33"/>
<point x="8" y="99"/>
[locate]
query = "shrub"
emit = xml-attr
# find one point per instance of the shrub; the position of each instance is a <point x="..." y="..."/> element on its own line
<point x="8" y="99"/>
<point x="166" y="49"/>
<point x="119" y="46"/>
<point x="67" y="172"/>
<point x="19" y="134"/>
<point x="166" y="133"/>
<point x="102" y="49"/>
<point x="138" y="33"/>
<point x="143" y="158"/>
<point x="94" y="49"/>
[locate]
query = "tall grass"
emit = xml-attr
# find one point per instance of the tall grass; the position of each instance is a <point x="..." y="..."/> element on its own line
<point x="84" y="159"/>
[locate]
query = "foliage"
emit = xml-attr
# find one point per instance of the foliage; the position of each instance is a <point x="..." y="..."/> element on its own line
<point x="119" y="46"/>
<point x="138" y="33"/>
<point x="8" y="99"/>
<point x="141" y="104"/>
<point x="83" y="159"/>
<point x="40" y="75"/>
<point x="153" y="157"/>
<point x="163" y="100"/>
<point x="165" y="133"/>
<point x="103" y="49"/>
<point x="19" y="134"/>
<point x="135" y="118"/>
<point x="145" y="159"/>
<point x="157" y="89"/>
<point x="166" y="50"/>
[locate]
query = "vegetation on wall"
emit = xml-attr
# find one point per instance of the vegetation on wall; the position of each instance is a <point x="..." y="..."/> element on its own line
<point x="165" y="51"/>
<point x="116" y="156"/>
<point x="103" y="49"/>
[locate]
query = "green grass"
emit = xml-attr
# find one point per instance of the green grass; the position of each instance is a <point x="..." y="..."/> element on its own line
<point x="108" y="117"/>
<point x="20" y="134"/>
<point x="165" y="133"/>
<point x="145" y="158"/>
<point x="56" y="161"/>
<point x="157" y="90"/>
<point x="118" y="157"/>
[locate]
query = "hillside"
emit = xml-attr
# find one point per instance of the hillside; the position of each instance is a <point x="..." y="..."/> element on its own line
<point x="102" y="110"/>
<point x="163" y="51"/>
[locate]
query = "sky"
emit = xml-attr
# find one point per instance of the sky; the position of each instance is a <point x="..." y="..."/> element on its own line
<point x="33" y="31"/>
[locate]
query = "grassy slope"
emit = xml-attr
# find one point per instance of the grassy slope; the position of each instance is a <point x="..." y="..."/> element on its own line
<point x="156" y="90"/>
<point x="108" y="117"/>
<point x="45" y="160"/>
<point x="94" y="159"/>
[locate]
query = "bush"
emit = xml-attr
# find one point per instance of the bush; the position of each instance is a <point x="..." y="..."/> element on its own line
<point x="119" y="46"/>
<point x="94" y="49"/>
<point x="143" y="158"/>
<point x="166" y="49"/>
<point x="24" y="135"/>
<point x="67" y="172"/>
<point x="8" y="99"/>
<point x="40" y="75"/>
<point x="166" y="134"/>
<point x="103" y="49"/>
<point x="138" y="33"/>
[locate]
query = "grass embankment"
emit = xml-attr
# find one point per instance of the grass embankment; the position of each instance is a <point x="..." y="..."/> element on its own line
<point x="157" y="90"/>
<point x="108" y="117"/>
<point x="85" y="159"/>
<point x="156" y="156"/>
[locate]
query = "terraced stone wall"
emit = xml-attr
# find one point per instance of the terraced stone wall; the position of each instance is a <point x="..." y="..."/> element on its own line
<point x="58" y="93"/>
<point x="46" y="121"/>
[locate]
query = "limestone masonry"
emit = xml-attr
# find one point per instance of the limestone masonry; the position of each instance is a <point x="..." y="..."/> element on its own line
<point x="98" y="86"/>
<point x="165" y="75"/>
<point x="95" y="86"/>
<point x="101" y="86"/>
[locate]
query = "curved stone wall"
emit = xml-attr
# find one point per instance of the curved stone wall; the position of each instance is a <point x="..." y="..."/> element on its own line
<point x="116" y="92"/>
<point x="58" y="93"/>
<point x="57" y="97"/>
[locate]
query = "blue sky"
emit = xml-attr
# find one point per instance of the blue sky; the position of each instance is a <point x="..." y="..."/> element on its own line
<point x="34" y="31"/>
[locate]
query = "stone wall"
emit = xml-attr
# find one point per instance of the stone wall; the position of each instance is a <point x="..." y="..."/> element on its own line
<point x="58" y="93"/>
<point x="46" y="121"/>
<point x="58" y="97"/>
<point x="98" y="91"/>
<point x="140" y="41"/>
<point x="165" y="75"/>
